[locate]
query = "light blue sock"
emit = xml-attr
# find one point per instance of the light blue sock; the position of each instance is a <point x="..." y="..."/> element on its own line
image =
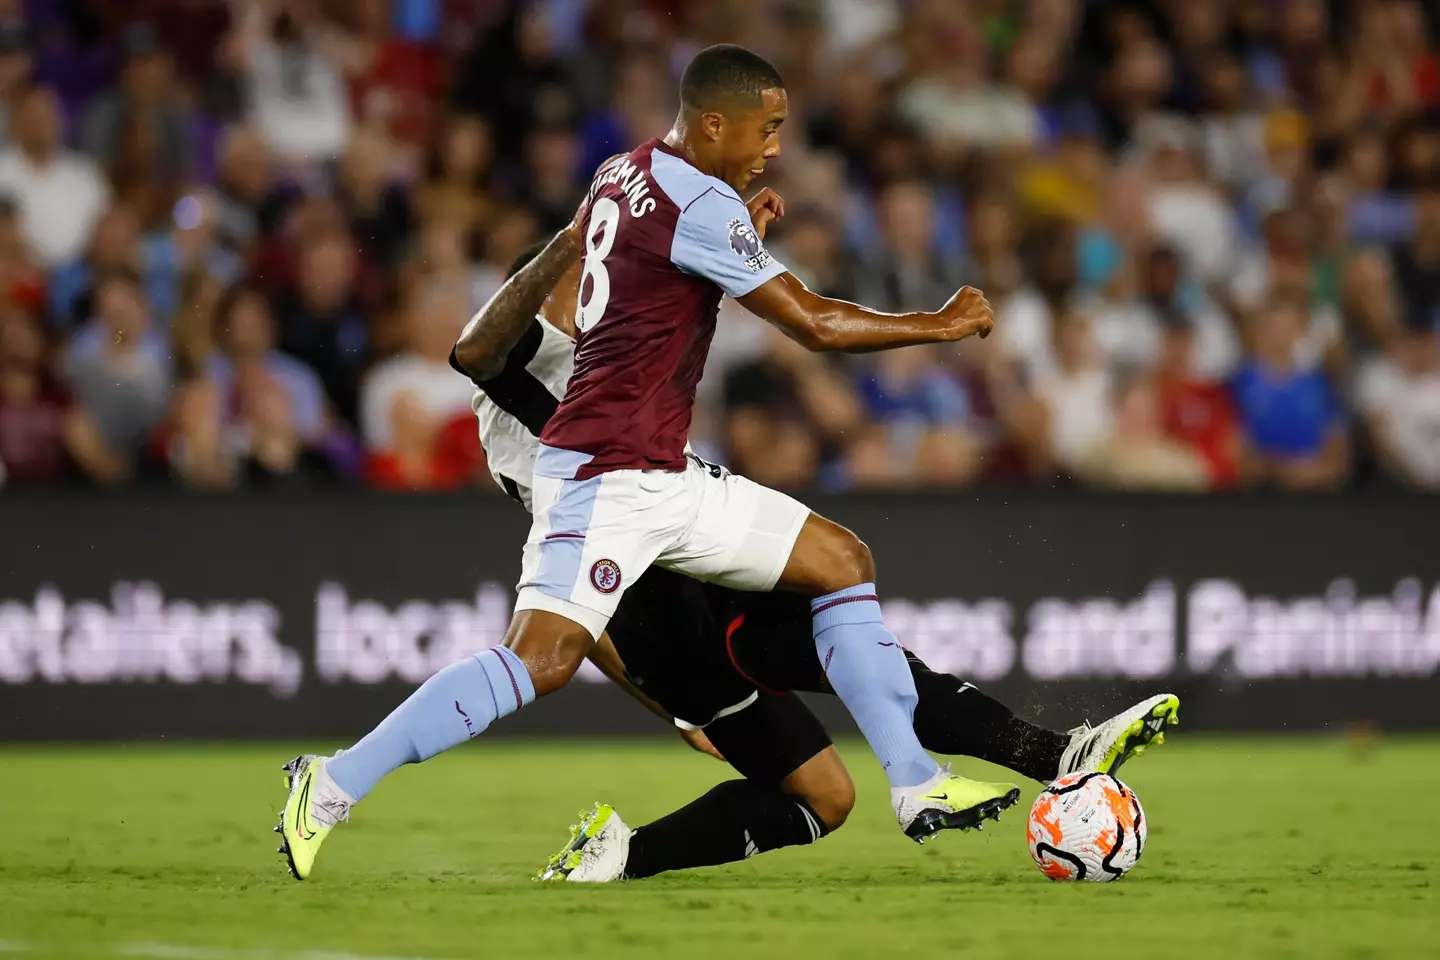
<point x="869" y="673"/>
<point x="455" y="705"/>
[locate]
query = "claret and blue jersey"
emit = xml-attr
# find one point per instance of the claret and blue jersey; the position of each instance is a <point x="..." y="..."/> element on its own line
<point x="664" y="242"/>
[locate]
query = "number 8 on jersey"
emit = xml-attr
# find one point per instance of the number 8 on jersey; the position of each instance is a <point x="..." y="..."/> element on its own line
<point x="599" y="238"/>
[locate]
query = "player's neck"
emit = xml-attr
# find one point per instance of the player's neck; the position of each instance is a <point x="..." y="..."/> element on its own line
<point x="678" y="139"/>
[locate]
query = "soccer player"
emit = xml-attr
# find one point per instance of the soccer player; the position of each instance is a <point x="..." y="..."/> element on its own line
<point x="664" y="235"/>
<point x="722" y="662"/>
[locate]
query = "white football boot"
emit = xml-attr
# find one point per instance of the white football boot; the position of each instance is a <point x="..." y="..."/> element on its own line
<point x="598" y="849"/>
<point x="1104" y="748"/>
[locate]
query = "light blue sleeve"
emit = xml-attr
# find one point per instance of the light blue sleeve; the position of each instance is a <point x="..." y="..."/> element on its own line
<point x="715" y="239"/>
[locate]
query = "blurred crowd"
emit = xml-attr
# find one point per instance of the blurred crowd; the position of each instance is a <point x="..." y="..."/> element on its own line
<point x="238" y="237"/>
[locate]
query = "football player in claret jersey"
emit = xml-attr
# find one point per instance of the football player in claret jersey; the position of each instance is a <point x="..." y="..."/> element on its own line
<point x="720" y="664"/>
<point x="663" y="236"/>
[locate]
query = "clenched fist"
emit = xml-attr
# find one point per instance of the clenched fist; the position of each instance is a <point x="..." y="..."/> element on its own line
<point x="764" y="207"/>
<point x="970" y="313"/>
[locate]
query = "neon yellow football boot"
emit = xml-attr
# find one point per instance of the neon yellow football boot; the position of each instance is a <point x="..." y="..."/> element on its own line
<point x="596" y="852"/>
<point x="949" y="802"/>
<point x="1104" y="748"/>
<point x="310" y="813"/>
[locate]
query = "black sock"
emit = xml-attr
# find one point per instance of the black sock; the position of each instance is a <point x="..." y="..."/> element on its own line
<point x="958" y="720"/>
<point x="735" y="820"/>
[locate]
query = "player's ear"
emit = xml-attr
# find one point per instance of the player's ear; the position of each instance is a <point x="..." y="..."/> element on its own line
<point x="711" y="123"/>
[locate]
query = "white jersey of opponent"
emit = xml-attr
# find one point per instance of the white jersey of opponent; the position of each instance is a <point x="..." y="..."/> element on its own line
<point x="513" y="408"/>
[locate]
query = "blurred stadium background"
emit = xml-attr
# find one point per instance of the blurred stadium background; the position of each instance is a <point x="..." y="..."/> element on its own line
<point x="237" y="238"/>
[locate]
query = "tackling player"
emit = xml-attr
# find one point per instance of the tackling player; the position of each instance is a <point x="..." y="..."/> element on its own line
<point x="664" y="236"/>
<point x="723" y="661"/>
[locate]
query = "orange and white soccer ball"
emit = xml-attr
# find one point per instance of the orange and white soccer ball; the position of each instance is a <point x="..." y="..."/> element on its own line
<point x="1086" y="826"/>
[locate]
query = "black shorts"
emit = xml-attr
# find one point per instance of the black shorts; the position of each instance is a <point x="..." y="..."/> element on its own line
<point x="771" y="738"/>
<point x="677" y="637"/>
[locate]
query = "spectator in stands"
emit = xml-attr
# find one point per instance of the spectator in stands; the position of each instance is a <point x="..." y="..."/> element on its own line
<point x="906" y="273"/>
<point x="1233" y="129"/>
<point x="192" y="332"/>
<point x="189" y="243"/>
<point x="246" y="336"/>
<point x="426" y="454"/>
<point x="1294" y="426"/>
<point x="1377" y="213"/>
<point x="1068" y="181"/>
<point x="1196" y="411"/>
<point x="953" y="102"/>
<point x="509" y="232"/>
<point x="114" y="245"/>
<point x="912" y="396"/>
<point x="22" y="283"/>
<point x="297" y="68"/>
<point x="1287" y="164"/>
<point x="993" y="263"/>
<point x="641" y="90"/>
<point x="321" y="323"/>
<point x="457" y="181"/>
<point x="399" y="86"/>
<point x="1185" y="210"/>
<point x="1077" y="395"/>
<point x="867" y="462"/>
<point x="1398" y="394"/>
<point x="42" y="434"/>
<point x="1285" y="271"/>
<point x="507" y="74"/>
<point x="146" y="96"/>
<point x="1006" y="417"/>
<point x="810" y="247"/>
<point x="60" y="194"/>
<point x="251" y="202"/>
<point x="415" y="410"/>
<point x="786" y="412"/>
<point x="118" y="366"/>
<point x="17" y="67"/>
<point x="947" y="457"/>
<point x="551" y="188"/>
<point x="276" y="447"/>
<point x="247" y="436"/>
<point x="1417" y="261"/>
<point x="1025" y="321"/>
<point x="1166" y="297"/>
<point x="1369" y="300"/>
<point x="378" y="208"/>
<point x="1138" y="455"/>
<point x="197" y="451"/>
<point x="420" y="379"/>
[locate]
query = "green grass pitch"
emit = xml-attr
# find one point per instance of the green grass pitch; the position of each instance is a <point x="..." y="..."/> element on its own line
<point x="1258" y="848"/>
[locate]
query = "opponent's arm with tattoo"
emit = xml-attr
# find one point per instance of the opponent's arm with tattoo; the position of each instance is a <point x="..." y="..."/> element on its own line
<point x="493" y="332"/>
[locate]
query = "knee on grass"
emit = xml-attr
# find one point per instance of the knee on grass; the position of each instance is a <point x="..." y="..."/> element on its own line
<point x="834" y="805"/>
<point x="825" y="786"/>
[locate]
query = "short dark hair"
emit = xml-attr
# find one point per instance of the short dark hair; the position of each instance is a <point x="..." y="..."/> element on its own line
<point x="528" y="254"/>
<point x="727" y="72"/>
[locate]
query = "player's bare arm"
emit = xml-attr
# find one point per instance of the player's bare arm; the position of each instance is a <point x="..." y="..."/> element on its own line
<point x="822" y="324"/>
<point x="493" y="332"/>
<point x="607" y="658"/>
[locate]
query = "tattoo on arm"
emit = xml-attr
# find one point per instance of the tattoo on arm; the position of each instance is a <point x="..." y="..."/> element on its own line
<point x="493" y="332"/>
